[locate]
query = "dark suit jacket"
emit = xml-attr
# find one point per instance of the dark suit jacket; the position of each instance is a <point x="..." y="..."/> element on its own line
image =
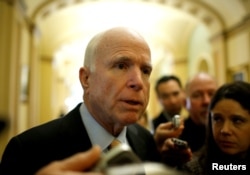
<point x="159" y="119"/>
<point x="195" y="135"/>
<point x="60" y="138"/>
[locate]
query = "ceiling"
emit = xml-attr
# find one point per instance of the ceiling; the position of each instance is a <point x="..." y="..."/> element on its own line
<point x="162" y="22"/>
<point x="65" y="26"/>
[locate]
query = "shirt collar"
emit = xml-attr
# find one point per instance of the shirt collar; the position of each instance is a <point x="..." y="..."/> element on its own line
<point x="97" y="134"/>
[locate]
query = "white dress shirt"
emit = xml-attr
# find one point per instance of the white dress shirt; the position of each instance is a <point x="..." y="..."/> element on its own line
<point x="97" y="134"/>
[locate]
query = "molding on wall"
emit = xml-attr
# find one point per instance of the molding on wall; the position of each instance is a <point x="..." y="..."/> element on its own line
<point x="243" y="25"/>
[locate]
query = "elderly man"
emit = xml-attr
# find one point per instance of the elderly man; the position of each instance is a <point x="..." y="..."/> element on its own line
<point x="115" y="80"/>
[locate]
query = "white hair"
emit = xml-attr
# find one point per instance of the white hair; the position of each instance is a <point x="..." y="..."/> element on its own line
<point x="91" y="51"/>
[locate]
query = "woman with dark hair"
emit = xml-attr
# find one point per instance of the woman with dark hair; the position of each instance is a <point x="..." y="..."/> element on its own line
<point x="228" y="133"/>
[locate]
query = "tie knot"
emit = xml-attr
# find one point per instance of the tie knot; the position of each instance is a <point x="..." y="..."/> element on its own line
<point x="114" y="143"/>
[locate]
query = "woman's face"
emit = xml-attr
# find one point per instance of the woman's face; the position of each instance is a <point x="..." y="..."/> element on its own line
<point x="231" y="127"/>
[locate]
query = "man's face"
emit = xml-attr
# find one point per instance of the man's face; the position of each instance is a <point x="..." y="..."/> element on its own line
<point x="171" y="97"/>
<point x="201" y="90"/>
<point x="118" y="89"/>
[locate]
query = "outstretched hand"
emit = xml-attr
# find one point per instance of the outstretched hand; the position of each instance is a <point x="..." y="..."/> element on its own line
<point x="77" y="164"/>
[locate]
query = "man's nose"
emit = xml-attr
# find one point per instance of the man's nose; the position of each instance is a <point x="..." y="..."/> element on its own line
<point x="172" y="99"/>
<point x="135" y="79"/>
<point x="206" y="99"/>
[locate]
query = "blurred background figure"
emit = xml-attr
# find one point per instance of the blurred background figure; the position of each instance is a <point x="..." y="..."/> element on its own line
<point x="171" y="97"/>
<point x="199" y="91"/>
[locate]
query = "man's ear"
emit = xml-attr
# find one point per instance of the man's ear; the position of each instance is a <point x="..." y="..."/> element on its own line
<point x="84" y="77"/>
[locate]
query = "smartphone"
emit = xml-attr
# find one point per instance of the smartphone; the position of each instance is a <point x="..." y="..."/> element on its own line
<point x="181" y="144"/>
<point x="176" y="121"/>
<point x="120" y="155"/>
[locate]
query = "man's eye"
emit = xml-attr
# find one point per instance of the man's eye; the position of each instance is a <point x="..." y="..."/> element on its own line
<point x="176" y="93"/>
<point x="146" y="71"/>
<point x="196" y="95"/>
<point x="121" y="65"/>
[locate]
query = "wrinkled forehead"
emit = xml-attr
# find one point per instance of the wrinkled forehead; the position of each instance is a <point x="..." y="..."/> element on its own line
<point x="122" y="40"/>
<point x="113" y="41"/>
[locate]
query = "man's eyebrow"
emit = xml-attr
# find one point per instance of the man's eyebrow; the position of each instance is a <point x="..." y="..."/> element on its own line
<point x="118" y="59"/>
<point x="124" y="58"/>
<point x="129" y="60"/>
<point x="149" y="66"/>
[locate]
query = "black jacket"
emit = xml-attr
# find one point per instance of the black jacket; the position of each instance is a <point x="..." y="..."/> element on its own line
<point x="60" y="138"/>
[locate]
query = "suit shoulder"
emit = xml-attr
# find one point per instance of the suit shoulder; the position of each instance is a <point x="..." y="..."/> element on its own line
<point x="51" y="128"/>
<point x="138" y="129"/>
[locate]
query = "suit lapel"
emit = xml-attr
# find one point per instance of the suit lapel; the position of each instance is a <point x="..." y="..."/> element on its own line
<point x="74" y="132"/>
<point x="136" y="142"/>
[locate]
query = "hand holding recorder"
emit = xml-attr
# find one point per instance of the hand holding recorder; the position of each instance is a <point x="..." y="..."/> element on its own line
<point x="174" y="150"/>
<point x="168" y="130"/>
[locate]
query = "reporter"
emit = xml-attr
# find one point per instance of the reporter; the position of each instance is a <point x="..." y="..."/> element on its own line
<point x="228" y="140"/>
<point x="74" y="165"/>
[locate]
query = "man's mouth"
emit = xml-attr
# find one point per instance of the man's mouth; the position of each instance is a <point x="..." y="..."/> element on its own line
<point x="133" y="102"/>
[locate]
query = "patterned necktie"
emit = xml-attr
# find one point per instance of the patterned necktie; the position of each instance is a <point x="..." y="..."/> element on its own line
<point x="113" y="144"/>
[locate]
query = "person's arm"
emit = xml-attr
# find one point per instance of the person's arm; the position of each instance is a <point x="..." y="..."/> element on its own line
<point x="78" y="164"/>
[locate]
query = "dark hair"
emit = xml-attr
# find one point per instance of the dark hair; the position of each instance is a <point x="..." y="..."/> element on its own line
<point x="167" y="78"/>
<point x="240" y="92"/>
